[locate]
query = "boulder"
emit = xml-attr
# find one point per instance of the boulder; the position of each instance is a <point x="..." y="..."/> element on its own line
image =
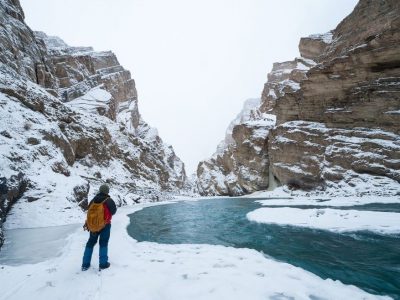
<point x="80" y="193"/>
<point x="11" y="189"/>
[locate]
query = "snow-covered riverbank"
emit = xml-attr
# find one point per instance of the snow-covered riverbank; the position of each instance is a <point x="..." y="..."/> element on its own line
<point x="154" y="271"/>
<point x="335" y="220"/>
<point x="333" y="215"/>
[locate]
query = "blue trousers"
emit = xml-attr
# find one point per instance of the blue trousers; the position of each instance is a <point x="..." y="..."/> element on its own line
<point x="104" y="235"/>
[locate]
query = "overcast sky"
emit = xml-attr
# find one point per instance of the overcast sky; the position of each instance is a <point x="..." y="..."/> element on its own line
<point x="194" y="61"/>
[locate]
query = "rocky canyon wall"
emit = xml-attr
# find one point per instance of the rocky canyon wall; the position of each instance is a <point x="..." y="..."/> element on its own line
<point x="70" y="122"/>
<point x="337" y="111"/>
<point x="240" y="164"/>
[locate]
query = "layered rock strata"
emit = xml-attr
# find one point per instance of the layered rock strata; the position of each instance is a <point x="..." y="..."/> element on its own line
<point x="70" y="122"/>
<point x="337" y="107"/>
<point x="347" y="112"/>
<point x="240" y="164"/>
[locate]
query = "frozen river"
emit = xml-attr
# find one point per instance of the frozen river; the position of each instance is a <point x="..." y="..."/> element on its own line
<point x="33" y="245"/>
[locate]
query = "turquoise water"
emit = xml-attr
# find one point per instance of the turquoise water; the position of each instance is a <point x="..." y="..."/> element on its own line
<point x="367" y="260"/>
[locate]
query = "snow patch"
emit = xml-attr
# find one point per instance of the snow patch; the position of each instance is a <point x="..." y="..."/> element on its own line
<point x="329" y="201"/>
<point x="97" y="98"/>
<point x="325" y="37"/>
<point x="335" y="220"/>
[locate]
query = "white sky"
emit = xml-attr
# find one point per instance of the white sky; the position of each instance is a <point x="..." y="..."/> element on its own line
<point x="194" y="61"/>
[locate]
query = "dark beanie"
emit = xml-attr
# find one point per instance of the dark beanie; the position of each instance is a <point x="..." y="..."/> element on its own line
<point x="104" y="189"/>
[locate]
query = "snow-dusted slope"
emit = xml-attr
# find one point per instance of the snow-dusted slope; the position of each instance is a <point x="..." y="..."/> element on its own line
<point x="70" y="122"/>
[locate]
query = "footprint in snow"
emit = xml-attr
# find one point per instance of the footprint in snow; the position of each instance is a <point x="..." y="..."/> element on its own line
<point x="224" y="266"/>
<point x="186" y="277"/>
<point x="294" y="277"/>
<point x="281" y="296"/>
<point x="51" y="270"/>
<point x="203" y="273"/>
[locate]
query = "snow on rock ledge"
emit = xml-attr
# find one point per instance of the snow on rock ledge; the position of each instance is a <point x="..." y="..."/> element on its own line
<point x="309" y="154"/>
<point x="241" y="167"/>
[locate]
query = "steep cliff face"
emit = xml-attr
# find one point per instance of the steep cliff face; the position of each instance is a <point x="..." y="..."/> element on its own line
<point x="346" y="114"/>
<point x="240" y="164"/>
<point x="75" y="71"/>
<point x="70" y="122"/>
<point x="338" y="106"/>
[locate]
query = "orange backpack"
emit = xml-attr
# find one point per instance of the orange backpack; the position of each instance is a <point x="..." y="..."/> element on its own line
<point x="95" y="217"/>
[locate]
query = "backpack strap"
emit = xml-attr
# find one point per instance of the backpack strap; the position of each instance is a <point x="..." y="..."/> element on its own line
<point x="102" y="202"/>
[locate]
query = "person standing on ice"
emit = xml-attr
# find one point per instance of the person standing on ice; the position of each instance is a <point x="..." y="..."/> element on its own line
<point x="98" y="223"/>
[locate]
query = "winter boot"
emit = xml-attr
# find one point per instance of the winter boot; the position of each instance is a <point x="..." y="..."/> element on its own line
<point x="85" y="268"/>
<point x="106" y="266"/>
